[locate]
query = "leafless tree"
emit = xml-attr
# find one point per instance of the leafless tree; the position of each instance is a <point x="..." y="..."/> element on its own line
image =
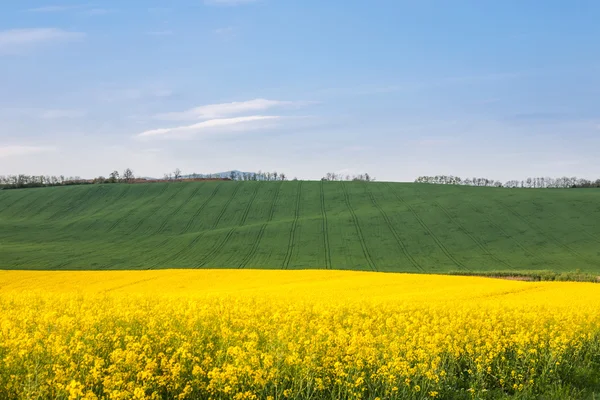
<point x="128" y="175"/>
<point x="177" y="174"/>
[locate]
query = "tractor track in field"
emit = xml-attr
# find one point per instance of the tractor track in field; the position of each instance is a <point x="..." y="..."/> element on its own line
<point x="536" y="228"/>
<point x="558" y="217"/>
<point x="150" y="200"/>
<point x="213" y="252"/>
<point x="188" y="246"/>
<point x="156" y="209"/>
<point x="428" y="230"/>
<point x="325" y="229"/>
<point x="393" y="230"/>
<point x="249" y="206"/>
<point x="261" y="232"/>
<point x="499" y="228"/>
<point x="49" y="204"/>
<point x="224" y="208"/>
<point x="128" y="212"/>
<point x="461" y="227"/>
<point x="72" y="205"/>
<point x="361" y="236"/>
<point x="291" y="242"/>
<point x="163" y="225"/>
<point x="26" y="206"/>
<point x="159" y="247"/>
<point x="25" y="194"/>
<point x="84" y="216"/>
<point x="188" y="226"/>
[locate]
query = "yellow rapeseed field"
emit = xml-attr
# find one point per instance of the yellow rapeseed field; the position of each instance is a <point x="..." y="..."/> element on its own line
<point x="290" y="335"/>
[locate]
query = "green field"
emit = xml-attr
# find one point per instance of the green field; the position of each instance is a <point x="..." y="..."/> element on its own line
<point x="298" y="225"/>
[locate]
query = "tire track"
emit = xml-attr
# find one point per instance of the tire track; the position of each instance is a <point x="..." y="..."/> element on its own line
<point x="393" y="230"/>
<point x="256" y="244"/>
<point x="49" y="204"/>
<point x="201" y="208"/>
<point x="359" y="231"/>
<point x="73" y="204"/>
<point x="25" y="194"/>
<point x="325" y="229"/>
<point x="216" y="249"/>
<point x="222" y="212"/>
<point x="26" y="206"/>
<point x="85" y="215"/>
<point x="162" y="227"/>
<point x="579" y="228"/>
<point x="541" y="233"/>
<point x="188" y="246"/>
<point x="249" y="206"/>
<point x="481" y="246"/>
<point x="428" y="230"/>
<point x="159" y="248"/>
<point x="158" y="207"/>
<point x="501" y="230"/>
<point x="291" y="243"/>
<point x="150" y="200"/>
<point x="127" y="213"/>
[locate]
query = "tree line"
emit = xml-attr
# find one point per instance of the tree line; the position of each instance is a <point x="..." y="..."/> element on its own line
<point x="332" y="176"/>
<point x="23" y="181"/>
<point x="236" y="176"/>
<point x="30" y="181"/>
<point x="529" y="183"/>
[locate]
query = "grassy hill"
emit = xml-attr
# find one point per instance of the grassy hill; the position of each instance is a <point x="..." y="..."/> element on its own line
<point x="292" y="225"/>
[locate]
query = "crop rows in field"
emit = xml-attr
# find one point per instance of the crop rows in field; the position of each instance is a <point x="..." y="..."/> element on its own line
<point x="299" y="225"/>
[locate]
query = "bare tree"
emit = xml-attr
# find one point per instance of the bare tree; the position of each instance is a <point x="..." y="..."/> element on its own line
<point x="177" y="174"/>
<point x="128" y="175"/>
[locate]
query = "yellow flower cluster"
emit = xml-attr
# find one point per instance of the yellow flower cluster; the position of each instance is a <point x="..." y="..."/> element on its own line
<point x="287" y="335"/>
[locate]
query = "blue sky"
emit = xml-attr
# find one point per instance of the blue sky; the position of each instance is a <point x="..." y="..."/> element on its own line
<point x="503" y="89"/>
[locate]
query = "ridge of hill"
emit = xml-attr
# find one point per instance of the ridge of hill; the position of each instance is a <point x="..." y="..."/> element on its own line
<point x="296" y="225"/>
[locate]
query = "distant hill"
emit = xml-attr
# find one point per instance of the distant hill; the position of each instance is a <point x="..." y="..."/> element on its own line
<point x="225" y="174"/>
<point x="293" y="225"/>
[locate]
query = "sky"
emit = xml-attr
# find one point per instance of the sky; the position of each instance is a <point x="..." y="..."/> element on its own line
<point x="398" y="89"/>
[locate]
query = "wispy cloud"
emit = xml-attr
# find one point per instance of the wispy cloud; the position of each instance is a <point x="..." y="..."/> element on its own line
<point x="220" y="125"/>
<point x="115" y="94"/>
<point x="428" y="142"/>
<point x="160" y="33"/>
<point x="97" y="11"/>
<point x="17" y="40"/>
<point x="60" y="114"/>
<point x="228" y="32"/>
<point x="53" y="8"/>
<point x="228" y="2"/>
<point x="18" y="151"/>
<point x="224" y="109"/>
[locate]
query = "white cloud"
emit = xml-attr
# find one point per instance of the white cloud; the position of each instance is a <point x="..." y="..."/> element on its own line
<point x="228" y="2"/>
<point x="223" y="109"/>
<point x="17" y="40"/>
<point x="433" y="142"/>
<point x="224" y="31"/>
<point x="228" y="32"/>
<point x="237" y="124"/>
<point x="160" y="33"/>
<point x="83" y="8"/>
<point x="17" y="151"/>
<point x="116" y="94"/>
<point x="58" y="114"/>
<point x="54" y="8"/>
<point x="98" y="11"/>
